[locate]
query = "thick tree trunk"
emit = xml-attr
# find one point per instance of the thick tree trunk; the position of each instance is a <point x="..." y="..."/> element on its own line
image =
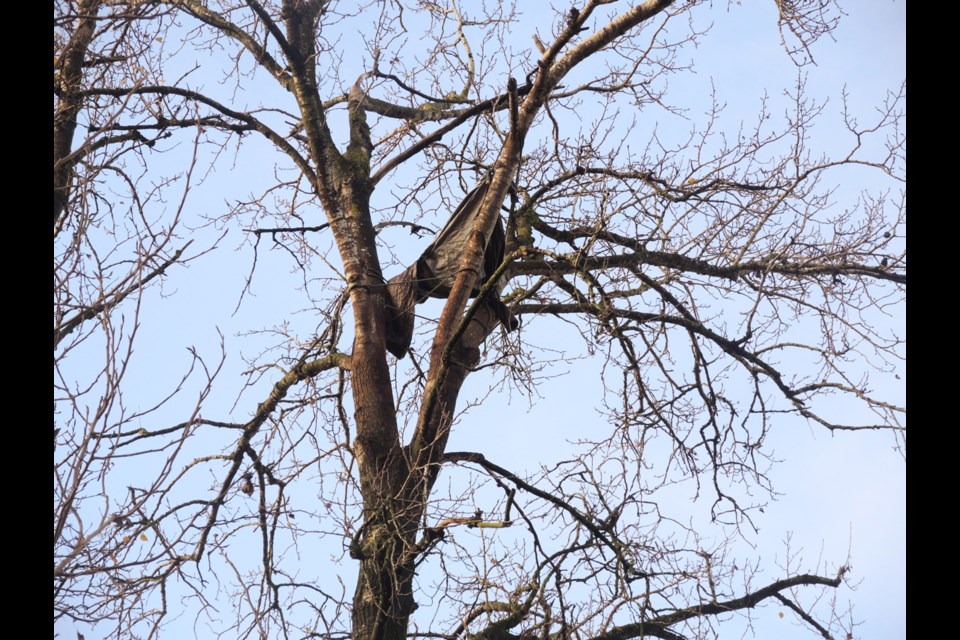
<point x="383" y="600"/>
<point x="394" y="505"/>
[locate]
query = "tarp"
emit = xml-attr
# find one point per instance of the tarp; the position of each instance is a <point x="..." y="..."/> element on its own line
<point x="433" y="274"/>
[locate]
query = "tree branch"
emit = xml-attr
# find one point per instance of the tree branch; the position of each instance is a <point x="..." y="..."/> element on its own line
<point x="297" y="374"/>
<point x="662" y="623"/>
<point x="112" y="299"/>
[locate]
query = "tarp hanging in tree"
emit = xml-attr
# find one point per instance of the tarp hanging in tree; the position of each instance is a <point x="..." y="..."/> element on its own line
<point x="433" y="274"/>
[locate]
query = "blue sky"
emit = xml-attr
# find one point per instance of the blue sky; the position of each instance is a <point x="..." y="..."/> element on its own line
<point x="840" y="495"/>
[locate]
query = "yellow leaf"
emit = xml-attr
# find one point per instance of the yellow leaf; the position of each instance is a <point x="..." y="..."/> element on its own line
<point x="126" y="539"/>
<point x="143" y="537"/>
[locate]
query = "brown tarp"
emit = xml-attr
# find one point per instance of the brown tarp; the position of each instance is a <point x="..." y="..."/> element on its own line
<point x="433" y="274"/>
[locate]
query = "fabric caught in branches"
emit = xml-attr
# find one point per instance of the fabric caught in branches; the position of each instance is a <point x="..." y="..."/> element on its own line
<point x="434" y="272"/>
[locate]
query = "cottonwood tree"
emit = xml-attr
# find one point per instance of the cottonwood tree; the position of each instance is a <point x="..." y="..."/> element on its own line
<point x="712" y="272"/>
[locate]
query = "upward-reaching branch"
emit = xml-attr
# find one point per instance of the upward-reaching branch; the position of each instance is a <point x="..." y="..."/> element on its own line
<point x="433" y="422"/>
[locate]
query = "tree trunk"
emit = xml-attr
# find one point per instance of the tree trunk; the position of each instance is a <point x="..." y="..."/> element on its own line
<point x="383" y="600"/>
<point x="394" y="506"/>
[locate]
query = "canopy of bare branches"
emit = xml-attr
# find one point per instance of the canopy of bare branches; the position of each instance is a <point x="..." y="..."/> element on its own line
<point x="238" y="180"/>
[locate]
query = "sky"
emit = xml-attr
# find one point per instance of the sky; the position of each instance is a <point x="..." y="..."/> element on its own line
<point x="842" y="497"/>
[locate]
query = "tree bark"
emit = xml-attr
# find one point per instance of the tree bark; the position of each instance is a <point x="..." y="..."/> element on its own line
<point x="383" y="601"/>
<point x="69" y="104"/>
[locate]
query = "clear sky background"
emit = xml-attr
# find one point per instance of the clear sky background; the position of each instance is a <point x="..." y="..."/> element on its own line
<point x="842" y="496"/>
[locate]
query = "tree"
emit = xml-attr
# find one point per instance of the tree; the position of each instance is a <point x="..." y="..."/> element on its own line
<point x="710" y="270"/>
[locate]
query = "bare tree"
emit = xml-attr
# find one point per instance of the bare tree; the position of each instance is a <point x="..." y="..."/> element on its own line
<point x="711" y="271"/>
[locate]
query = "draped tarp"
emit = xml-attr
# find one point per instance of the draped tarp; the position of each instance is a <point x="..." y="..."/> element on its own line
<point x="433" y="274"/>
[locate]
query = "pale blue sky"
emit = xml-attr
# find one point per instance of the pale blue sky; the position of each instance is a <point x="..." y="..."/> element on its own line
<point x="840" y="494"/>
